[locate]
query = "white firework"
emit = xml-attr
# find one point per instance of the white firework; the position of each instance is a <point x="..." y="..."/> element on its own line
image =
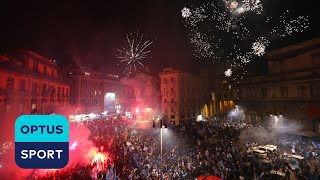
<point x="231" y="5"/>
<point x="259" y="47"/>
<point x="134" y="53"/>
<point x="289" y="27"/>
<point x="252" y="5"/>
<point x="228" y="72"/>
<point x="186" y="12"/>
<point x="245" y="58"/>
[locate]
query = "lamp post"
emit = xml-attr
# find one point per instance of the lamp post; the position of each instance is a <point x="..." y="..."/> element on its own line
<point x="161" y="132"/>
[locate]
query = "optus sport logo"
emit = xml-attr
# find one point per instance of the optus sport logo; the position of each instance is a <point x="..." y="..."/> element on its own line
<point x="42" y="141"/>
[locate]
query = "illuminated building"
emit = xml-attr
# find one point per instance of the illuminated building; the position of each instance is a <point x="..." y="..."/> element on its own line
<point x="183" y="95"/>
<point x="291" y="87"/>
<point x="222" y="96"/>
<point x="86" y="91"/>
<point x="112" y="90"/>
<point x="141" y="94"/>
<point x="29" y="83"/>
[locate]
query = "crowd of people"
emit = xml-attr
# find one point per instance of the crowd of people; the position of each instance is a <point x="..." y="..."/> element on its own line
<point x="186" y="151"/>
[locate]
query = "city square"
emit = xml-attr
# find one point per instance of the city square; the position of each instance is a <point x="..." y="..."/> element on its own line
<point x="175" y="90"/>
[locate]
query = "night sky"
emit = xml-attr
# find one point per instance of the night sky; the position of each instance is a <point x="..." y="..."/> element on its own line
<point x="89" y="33"/>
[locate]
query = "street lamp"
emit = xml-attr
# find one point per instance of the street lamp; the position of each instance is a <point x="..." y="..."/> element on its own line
<point x="161" y="132"/>
<point x="161" y="146"/>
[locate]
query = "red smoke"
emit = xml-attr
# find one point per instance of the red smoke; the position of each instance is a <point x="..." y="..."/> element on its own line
<point x="84" y="153"/>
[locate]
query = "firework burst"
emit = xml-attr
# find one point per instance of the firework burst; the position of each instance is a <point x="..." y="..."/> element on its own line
<point x="228" y="72"/>
<point x="134" y="53"/>
<point x="185" y="12"/>
<point x="259" y="47"/>
<point x="222" y="31"/>
<point x="288" y="26"/>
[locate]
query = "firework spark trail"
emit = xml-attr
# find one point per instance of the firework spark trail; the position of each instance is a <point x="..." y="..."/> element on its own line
<point x="132" y="55"/>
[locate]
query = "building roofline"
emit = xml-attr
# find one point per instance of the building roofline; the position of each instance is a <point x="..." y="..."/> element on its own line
<point x="40" y="57"/>
<point x="309" y="43"/>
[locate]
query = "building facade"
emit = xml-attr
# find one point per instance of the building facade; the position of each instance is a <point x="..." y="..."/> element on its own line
<point x="223" y="97"/>
<point x="112" y="92"/>
<point x="30" y="84"/>
<point x="290" y="89"/>
<point x="86" y="91"/>
<point x="183" y="95"/>
<point x="141" y="95"/>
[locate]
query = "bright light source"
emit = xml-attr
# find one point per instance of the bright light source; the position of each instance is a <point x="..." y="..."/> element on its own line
<point x="148" y="109"/>
<point x="199" y="118"/>
<point x="137" y="110"/>
<point x="91" y="115"/>
<point x="271" y="115"/>
<point x="73" y="146"/>
<point x="118" y="111"/>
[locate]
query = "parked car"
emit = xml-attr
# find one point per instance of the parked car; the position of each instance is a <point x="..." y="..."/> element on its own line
<point x="271" y="147"/>
<point x="257" y="152"/>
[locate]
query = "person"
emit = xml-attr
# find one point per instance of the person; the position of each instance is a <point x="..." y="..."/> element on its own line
<point x="288" y="174"/>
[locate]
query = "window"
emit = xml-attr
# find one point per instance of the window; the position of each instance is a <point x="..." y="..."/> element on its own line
<point x="172" y="100"/>
<point x="164" y="90"/>
<point x="172" y="79"/>
<point x="22" y="86"/>
<point x="35" y="66"/>
<point x="10" y="83"/>
<point x="172" y="90"/>
<point x="34" y="90"/>
<point x="165" y="100"/>
<point x="172" y="110"/>
<point x="284" y="91"/>
<point x="264" y="92"/>
<point x="301" y="91"/>
<point x="45" y="70"/>
<point x="164" y="80"/>
<point x="44" y="87"/>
